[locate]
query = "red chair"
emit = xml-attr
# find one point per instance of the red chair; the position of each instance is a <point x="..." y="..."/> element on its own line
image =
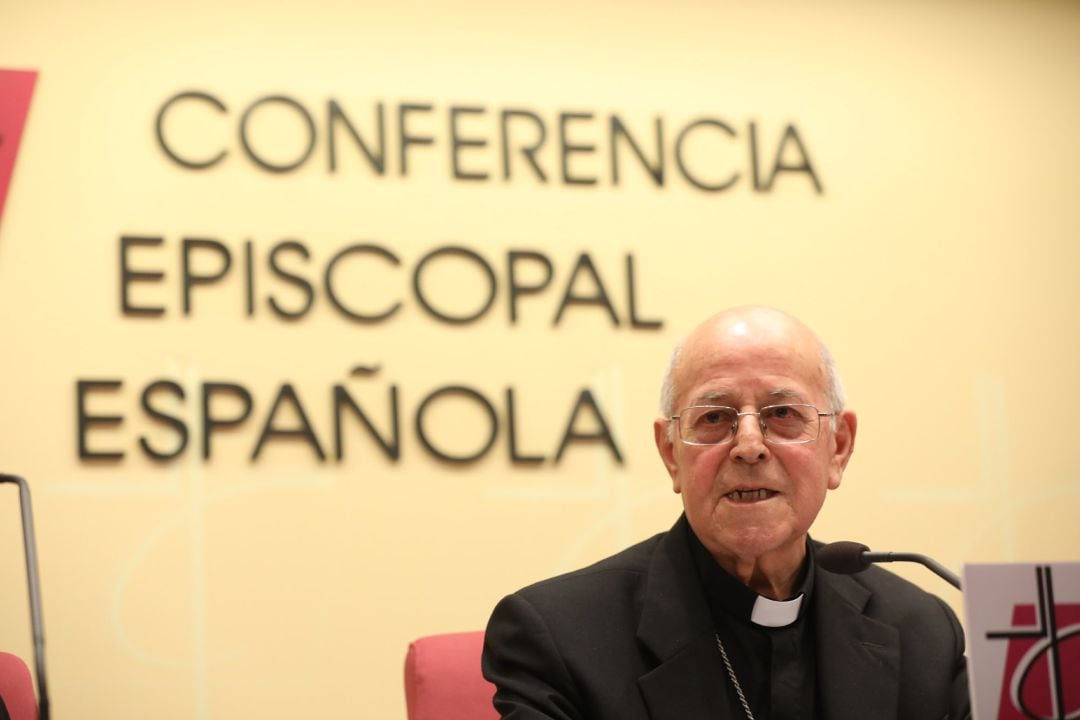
<point x="443" y="680"/>
<point x="16" y="689"/>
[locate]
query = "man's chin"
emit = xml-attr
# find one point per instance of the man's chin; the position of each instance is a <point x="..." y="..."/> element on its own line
<point x="747" y="540"/>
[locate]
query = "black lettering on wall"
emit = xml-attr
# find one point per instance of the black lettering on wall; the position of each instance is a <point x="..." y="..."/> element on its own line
<point x="301" y="283"/>
<point x="568" y="148"/>
<point x="167" y="148"/>
<point x="602" y="432"/>
<point x="584" y="266"/>
<point x="407" y="139"/>
<point x="245" y="133"/>
<point x="483" y="402"/>
<point x="271" y="431"/>
<point x="211" y="423"/>
<point x="528" y="151"/>
<point x="85" y="421"/>
<point x="249" y="278"/>
<point x="515" y="287"/>
<point x="464" y="133"/>
<point x="457" y="143"/>
<point x="332" y="295"/>
<point x="718" y="186"/>
<point x="654" y="168"/>
<point x="128" y="276"/>
<point x="335" y="116"/>
<point x="801" y="166"/>
<point x="187" y="273"/>
<point x="511" y="431"/>
<point x="391" y="446"/>
<point x="454" y="250"/>
<point x="177" y="425"/>
<point x="631" y="301"/>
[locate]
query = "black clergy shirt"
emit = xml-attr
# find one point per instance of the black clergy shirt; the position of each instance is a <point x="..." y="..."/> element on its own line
<point x="775" y="666"/>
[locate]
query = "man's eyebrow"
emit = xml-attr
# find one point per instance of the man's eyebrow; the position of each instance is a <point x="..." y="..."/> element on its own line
<point x="785" y="394"/>
<point x="714" y="397"/>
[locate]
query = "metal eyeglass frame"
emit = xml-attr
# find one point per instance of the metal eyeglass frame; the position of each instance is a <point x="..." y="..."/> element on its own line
<point x="761" y="424"/>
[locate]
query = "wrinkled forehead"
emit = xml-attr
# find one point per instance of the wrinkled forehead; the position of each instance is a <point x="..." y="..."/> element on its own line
<point x="762" y="353"/>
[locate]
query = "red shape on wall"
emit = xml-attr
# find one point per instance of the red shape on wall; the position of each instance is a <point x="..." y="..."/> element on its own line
<point x="16" y="89"/>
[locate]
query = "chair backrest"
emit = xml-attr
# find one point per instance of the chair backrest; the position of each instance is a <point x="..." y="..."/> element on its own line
<point x="443" y="680"/>
<point x="16" y="688"/>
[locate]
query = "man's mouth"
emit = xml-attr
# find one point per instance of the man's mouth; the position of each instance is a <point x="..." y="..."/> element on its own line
<point x="749" y="496"/>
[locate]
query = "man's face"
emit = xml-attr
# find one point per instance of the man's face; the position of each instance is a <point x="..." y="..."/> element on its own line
<point x="748" y="361"/>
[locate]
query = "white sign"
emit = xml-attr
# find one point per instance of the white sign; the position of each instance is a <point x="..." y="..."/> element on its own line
<point x="1024" y="640"/>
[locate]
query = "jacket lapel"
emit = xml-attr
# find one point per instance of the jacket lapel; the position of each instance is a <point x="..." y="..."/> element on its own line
<point x="858" y="657"/>
<point x="689" y="681"/>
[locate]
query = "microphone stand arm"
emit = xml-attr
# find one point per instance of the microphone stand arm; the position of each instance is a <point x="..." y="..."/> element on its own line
<point x="933" y="565"/>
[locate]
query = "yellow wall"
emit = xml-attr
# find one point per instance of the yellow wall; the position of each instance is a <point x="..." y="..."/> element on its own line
<point x="939" y="263"/>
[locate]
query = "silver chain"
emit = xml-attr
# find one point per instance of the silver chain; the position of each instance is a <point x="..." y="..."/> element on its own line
<point x="734" y="680"/>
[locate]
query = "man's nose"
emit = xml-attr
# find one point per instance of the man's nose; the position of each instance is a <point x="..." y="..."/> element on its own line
<point x="749" y="445"/>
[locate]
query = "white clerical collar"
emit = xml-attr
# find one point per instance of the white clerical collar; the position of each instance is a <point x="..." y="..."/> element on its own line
<point x="775" y="613"/>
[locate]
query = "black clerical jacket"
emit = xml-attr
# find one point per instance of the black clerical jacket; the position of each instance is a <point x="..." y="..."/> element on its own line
<point x="632" y="638"/>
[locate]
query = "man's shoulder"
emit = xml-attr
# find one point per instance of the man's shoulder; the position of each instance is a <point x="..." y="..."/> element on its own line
<point x="626" y="568"/>
<point x="893" y="598"/>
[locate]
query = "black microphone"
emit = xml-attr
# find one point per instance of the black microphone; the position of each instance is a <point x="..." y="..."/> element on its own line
<point x="847" y="557"/>
<point x="35" y="590"/>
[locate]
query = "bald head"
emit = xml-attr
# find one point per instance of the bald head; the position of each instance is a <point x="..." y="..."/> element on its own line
<point x="730" y="330"/>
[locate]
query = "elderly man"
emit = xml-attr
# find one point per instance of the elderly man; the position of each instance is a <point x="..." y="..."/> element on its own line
<point x="726" y="615"/>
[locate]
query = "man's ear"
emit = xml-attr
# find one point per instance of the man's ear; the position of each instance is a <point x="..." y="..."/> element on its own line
<point x="842" y="446"/>
<point x="665" y="443"/>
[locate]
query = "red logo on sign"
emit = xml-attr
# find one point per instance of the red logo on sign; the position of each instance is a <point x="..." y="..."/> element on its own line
<point x="1042" y="664"/>
<point x="16" y="88"/>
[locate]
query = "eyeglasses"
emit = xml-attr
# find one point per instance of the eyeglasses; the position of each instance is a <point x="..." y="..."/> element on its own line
<point x="718" y="424"/>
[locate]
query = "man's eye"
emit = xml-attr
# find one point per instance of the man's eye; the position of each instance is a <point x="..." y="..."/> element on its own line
<point x="715" y="417"/>
<point x="787" y="414"/>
